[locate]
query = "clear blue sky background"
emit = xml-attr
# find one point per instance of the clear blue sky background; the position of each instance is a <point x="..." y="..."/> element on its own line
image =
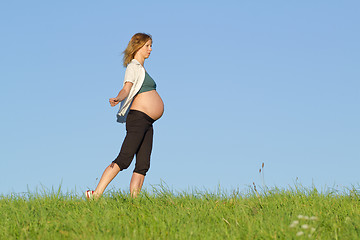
<point x="244" y="82"/>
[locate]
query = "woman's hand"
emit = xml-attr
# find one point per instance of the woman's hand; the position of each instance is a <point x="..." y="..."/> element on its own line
<point x="114" y="101"/>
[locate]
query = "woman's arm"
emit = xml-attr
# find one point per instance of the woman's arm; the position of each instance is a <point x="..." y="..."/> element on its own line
<point x="124" y="92"/>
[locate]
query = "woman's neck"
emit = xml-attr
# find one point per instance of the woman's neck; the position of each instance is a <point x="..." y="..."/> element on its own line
<point x="141" y="60"/>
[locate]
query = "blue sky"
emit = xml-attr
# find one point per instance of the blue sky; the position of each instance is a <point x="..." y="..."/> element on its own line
<point x="244" y="82"/>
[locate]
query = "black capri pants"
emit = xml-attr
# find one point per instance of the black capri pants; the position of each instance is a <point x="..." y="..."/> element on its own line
<point x="138" y="140"/>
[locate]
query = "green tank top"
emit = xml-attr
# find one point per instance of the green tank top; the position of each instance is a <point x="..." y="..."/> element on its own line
<point x="148" y="84"/>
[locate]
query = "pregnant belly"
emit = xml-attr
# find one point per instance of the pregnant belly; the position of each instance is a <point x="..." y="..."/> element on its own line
<point x="150" y="103"/>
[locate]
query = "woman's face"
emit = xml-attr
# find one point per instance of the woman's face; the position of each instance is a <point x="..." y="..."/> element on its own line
<point x="145" y="50"/>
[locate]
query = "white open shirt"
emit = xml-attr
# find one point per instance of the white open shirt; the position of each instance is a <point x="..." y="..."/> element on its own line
<point x="135" y="73"/>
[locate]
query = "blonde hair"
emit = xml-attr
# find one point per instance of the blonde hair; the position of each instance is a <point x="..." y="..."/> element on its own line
<point x="136" y="42"/>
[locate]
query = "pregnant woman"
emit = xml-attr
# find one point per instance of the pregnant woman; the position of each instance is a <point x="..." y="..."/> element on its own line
<point x="140" y="107"/>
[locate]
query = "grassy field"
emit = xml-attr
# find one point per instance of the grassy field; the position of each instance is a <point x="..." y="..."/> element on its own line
<point x="162" y="214"/>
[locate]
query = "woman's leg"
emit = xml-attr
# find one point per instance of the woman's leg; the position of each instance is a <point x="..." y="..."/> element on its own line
<point x="136" y="183"/>
<point x="110" y="172"/>
<point x="142" y="163"/>
<point x="134" y="135"/>
<point x="138" y="130"/>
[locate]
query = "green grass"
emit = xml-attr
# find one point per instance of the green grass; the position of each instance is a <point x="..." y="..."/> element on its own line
<point x="163" y="214"/>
